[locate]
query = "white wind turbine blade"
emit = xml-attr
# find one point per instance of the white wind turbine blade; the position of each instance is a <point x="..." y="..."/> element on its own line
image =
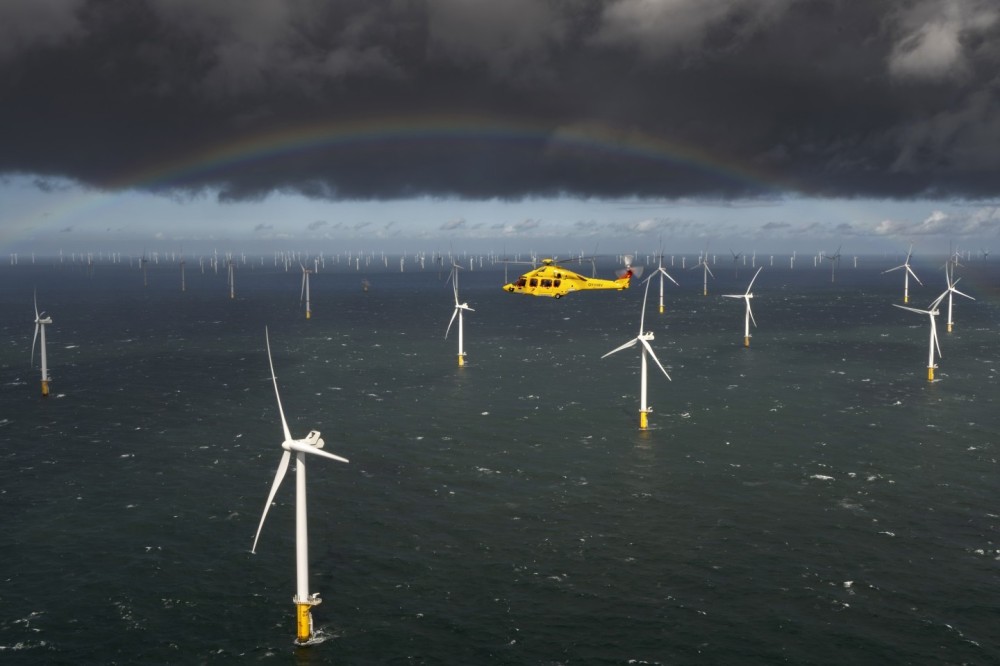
<point x="645" y="343"/>
<point x="662" y="270"/>
<point x="708" y="269"/>
<point x="278" y="476"/>
<point x="284" y="423"/>
<point x="642" y="317"/>
<point x="750" y="286"/>
<point x="37" y="326"/>
<point x="451" y="321"/>
<point x="630" y="343"/>
<point x="961" y="294"/>
<point x="306" y="448"/>
<point x="903" y="307"/>
<point x="910" y="271"/>
<point x="893" y="269"/>
<point x="33" y="340"/>
<point x="302" y="291"/>
<point x="750" y="312"/>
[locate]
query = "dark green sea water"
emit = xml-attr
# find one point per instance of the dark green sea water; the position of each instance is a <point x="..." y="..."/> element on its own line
<point x="811" y="499"/>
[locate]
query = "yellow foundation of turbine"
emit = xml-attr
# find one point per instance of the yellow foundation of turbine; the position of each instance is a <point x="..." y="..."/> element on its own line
<point x="461" y="360"/>
<point x="949" y="327"/>
<point x="45" y="389"/>
<point x="906" y="299"/>
<point x="309" y="314"/>
<point x="746" y="341"/>
<point x="303" y="621"/>
<point x="930" y="374"/>
<point x="643" y="419"/>
<point x="661" y="309"/>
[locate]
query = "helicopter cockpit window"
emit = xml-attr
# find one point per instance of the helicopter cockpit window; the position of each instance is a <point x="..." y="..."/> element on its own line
<point x="521" y="282"/>
<point x="534" y="282"/>
<point x="546" y="282"/>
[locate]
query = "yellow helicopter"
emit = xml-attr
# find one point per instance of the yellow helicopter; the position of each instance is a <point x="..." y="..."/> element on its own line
<point x="553" y="280"/>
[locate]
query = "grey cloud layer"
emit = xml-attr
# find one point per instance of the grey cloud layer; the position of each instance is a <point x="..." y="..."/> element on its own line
<point x="878" y="98"/>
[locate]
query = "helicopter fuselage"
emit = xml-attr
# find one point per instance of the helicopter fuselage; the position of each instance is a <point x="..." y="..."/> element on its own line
<point x="555" y="281"/>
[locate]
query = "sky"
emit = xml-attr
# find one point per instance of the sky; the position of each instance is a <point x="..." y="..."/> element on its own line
<point x="549" y="125"/>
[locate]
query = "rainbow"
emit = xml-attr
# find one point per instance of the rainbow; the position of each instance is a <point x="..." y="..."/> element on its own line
<point x="433" y="128"/>
<point x="169" y="173"/>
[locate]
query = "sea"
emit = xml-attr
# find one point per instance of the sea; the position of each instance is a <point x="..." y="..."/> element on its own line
<point x="809" y="499"/>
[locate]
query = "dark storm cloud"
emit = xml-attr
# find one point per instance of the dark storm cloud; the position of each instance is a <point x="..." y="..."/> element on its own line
<point x="877" y="98"/>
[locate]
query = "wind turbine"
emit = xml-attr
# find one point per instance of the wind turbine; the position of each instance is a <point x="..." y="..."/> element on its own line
<point x="231" y="278"/>
<point x="662" y="271"/>
<point x="834" y="260"/>
<point x="643" y="339"/>
<point x="906" y="275"/>
<point x="313" y="444"/>
<point x="40" y="325"/>
<point x="933" y="313"/>
<point x="707" y="272"/>
<point x="304" y="292"/>
<point x="749" y="315"/>
<point x="736" y="259"/>
<point x="183" y="285"/>
<point x="458" y="312"/>
<point x="950" y="291"/>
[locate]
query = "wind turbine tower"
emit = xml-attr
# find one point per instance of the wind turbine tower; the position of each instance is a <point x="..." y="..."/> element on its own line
<point x="459" y="307"/>
<point x="40" y="324"/>
<point x="311" y="444"/>
<point x="642" y="339"/>
<point x="749" y="313"/>
<point x="304" y="292"/>
<point x="933" y="344"/>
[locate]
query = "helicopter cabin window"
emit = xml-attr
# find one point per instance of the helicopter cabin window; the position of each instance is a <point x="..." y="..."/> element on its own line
<point x="546" y="282"/>
<point x="521" y="282"/>
<point x="534" y="282"/>
<point x="557" y="282"/>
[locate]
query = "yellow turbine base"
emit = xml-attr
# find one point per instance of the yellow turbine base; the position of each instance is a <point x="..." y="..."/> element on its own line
<point x="661" y="309"/>
<point x="746" y="341"/>
<point x="45" y="389"/>
<point x="309" y="314"/>
<point x="949" y="327"/>
<point x="930" y="374"/>
<point x="461" y="360"/>
<point x="906" y="299"/>
<point x="643" y="420"/>
<point x="303" y="616"/>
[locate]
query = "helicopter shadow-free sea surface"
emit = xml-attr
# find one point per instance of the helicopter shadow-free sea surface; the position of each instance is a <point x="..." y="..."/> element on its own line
<point x="809" y="499"/>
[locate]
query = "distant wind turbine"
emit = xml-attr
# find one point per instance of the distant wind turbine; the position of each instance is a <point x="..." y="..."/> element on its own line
<point x="312" y="444"/>
<point x="40" y="324"/>
<point x="662" y="272"/>
<point x="906" y="275"/>
<point x="933" y="344"/>
<point x="749" y="313"/>
<point x="643" y="340"/>
<point x="707" y="272"/>
<point x="459" y="307"/>
<point x="950" y="291"/>
<point x="304" y="292"/>
<point x="834" y="260"/>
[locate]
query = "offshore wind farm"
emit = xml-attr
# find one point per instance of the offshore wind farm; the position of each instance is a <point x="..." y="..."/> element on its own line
<point x="418" y="228"/>
<point x="812" y="498"/>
